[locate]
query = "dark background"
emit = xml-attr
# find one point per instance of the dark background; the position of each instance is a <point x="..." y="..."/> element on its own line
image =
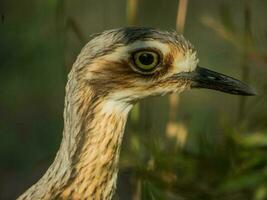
<point x="216" y="147"/>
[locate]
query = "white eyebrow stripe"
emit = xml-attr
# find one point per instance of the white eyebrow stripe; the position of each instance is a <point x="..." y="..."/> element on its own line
<point x="123" y="51"/>
<point x="164" y="48"/>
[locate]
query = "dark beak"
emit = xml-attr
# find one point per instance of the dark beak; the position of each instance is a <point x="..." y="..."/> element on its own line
<point x="204" y="78"/>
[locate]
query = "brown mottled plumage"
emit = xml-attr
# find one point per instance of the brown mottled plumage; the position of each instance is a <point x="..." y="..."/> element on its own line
<point x="102" y="86"/>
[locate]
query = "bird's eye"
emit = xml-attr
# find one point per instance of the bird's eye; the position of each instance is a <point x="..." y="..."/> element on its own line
<point x="146" y="60"/>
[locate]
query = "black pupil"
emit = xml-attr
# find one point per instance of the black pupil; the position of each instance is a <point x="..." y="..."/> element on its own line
<point x="146" y="58"/>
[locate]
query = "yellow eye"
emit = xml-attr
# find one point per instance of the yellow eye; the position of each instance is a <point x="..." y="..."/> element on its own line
<point x="146" y="60"/>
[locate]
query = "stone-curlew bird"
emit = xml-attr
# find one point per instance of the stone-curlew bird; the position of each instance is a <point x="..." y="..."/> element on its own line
<point x="113" y="71"/>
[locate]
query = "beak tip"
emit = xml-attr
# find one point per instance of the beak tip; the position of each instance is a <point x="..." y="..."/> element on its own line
<point x="252" y="92"/>
<point x="245" y="90"/>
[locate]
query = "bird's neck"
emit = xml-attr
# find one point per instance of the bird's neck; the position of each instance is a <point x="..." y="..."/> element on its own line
<point x="93" y="138"/>
<point x="86" y="164"/>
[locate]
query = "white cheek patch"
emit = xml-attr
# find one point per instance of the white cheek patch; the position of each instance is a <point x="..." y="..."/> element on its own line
<point x="115" y="107"/>
<point x="118" y="99"/>
<point x="122" y="53"/>
<point x="186" y="63"/>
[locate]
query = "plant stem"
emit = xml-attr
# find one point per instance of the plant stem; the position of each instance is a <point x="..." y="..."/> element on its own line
<point x="244" y="66"/>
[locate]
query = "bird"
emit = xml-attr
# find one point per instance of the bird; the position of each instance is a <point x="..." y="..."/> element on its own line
<point x="113" y="71"/>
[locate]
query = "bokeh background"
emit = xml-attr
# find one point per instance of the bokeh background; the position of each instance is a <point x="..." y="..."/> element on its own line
<point x="200" y="145"/>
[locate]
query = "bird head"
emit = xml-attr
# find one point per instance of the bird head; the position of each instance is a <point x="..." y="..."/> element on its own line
<point x="129" y="64"/>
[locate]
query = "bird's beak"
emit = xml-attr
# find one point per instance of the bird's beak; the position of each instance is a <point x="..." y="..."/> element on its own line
<point x="204" y="78"/>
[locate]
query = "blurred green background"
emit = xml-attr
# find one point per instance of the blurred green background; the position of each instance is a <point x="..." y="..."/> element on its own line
<point x="214" y="146"/>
